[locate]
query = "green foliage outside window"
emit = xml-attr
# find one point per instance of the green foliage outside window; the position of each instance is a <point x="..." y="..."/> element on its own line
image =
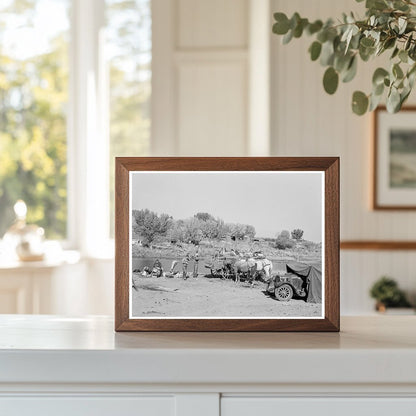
<point x="34" y="103"/>
<point x="33" y="99"/>
<point x="129" y="39"/>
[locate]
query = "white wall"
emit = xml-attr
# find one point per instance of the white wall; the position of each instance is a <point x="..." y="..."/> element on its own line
<point x="202" y="87"/>
<point x="211" y="86"/>
<point x="308" y="122"/>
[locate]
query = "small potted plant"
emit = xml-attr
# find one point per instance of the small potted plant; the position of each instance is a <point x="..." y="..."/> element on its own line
<point x="387" y="294"/>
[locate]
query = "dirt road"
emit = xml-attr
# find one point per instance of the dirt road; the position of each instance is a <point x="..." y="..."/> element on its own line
<point x="203" y="296"/>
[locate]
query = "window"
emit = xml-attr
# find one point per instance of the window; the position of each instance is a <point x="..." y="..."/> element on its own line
<point x="75" y="87"/>
<point x="33" y="102"/>
<point x="129" y="43"/>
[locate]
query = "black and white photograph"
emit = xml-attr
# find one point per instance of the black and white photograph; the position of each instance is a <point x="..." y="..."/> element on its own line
<point x="226" y="244"/>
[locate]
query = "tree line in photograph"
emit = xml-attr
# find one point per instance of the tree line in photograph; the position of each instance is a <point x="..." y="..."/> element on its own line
<point x="149" y="227"/>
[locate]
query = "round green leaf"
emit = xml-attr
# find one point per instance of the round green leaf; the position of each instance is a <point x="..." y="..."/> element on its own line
<point x="315" y="50"/>
<point x="351" y="71"/>
<point x="342" y="61"/>
<point x="314" y="27"/>
<point x="379" y="75"/>
<point x="281" y="27"/>
<point x="389" y="43"/>
<point x="330" y="80"/>
<point x="322" y="36"/>
<point x="378" y="90"/>
<point x="393" y="101"/>
<point x="397" y="71"/>
<point x="294" y="20"/>
<point x="374" y="102"/>
<point x="288" y="37"/>
<point x="298" y="30"/>
<point x="365" y="53"/>
<point x="327" y="54"/>
<point x="359" y="103"/>
<point x="403" y="55"/>
<point x="367" y="42"/>
<point x="395" y="52"/>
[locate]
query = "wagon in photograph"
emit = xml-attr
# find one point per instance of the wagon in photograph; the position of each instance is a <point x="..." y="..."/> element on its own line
<point x="222" y="266"/>
<point x="300" y="280"/>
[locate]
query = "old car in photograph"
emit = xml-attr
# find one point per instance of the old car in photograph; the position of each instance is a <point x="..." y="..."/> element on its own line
<point x="286" y="285"/>
<point x="299" y="280"/>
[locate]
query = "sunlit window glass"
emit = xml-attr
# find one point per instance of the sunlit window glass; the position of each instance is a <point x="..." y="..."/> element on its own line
<point x="33" y="104"/>
<point x="129" y="52"/>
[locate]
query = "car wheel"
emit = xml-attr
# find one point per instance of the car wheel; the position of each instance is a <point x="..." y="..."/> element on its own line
<point x="283" y="293"/>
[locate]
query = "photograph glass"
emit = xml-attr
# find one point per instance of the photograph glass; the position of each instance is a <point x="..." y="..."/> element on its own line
<point x="226" y="244"/>
<point x="402" y="158"/>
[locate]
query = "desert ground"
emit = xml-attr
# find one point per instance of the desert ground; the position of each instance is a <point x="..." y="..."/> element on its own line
<point x="175" y="297"/>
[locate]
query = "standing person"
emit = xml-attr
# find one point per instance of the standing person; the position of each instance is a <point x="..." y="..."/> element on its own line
<point x="196" y="258"/>
<point x="185" y="262"/>
<point x="157" y="269"/>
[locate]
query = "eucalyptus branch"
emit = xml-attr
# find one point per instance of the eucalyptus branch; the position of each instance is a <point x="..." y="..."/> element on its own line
<point x="389" y="25"/>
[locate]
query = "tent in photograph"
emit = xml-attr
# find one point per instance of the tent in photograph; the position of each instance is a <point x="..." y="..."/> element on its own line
<point x="313" y="274"/>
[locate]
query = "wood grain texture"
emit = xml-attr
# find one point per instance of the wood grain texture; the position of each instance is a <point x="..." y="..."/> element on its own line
<point x="122" y="244"/>
<point x="329" y="165"/>
<point x="376" y="204"/>
<point x="378" y="245"/>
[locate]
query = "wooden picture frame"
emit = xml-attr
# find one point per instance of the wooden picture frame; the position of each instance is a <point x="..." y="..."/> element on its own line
<point x="135" y="170"/>
<point x="391" y="190"/>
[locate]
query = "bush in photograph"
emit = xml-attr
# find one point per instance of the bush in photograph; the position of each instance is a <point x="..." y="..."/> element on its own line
<point x="283" y="241"/>
<point x="193" y="232"/>
<point x="213" y="229"/>
<point x="297" y="234"/>
<point x="240" y="231"/>
<point x="149" y="224"/>
<point x="204" y="216"/>
<point x="176" y="232"/>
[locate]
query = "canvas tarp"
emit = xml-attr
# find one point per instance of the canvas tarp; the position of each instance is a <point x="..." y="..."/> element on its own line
<point x="313" y="274"/>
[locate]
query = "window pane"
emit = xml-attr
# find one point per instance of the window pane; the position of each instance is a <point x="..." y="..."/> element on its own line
<point x="33" y="100"/>
<point x="129" y="46"/>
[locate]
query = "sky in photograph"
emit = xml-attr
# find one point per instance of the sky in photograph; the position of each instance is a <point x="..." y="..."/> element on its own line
<point x="270" y="201"/>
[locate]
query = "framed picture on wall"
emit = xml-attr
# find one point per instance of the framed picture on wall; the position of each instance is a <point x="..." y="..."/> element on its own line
<point x="394" y="179"/>
<point x="227" y="244"/>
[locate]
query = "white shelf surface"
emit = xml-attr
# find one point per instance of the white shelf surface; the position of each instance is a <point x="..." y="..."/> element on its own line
<point x="53" y="349"/>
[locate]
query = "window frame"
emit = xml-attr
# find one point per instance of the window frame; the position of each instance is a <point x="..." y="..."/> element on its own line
<point x="87" y="133"/>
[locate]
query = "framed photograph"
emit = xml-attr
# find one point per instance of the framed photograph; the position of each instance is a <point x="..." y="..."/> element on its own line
<point x="394" y="180"/>
<point x="227" y="244"/>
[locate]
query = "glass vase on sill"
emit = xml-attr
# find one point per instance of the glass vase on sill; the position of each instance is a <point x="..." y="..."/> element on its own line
<point x="23" y="240"/>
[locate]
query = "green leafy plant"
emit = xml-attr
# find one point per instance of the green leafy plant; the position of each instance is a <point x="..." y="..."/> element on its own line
<point x="387" y="292"/>
<point x="389" y="27"/>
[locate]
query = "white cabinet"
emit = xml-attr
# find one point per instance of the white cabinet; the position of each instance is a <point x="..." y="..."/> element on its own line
<point x="65" y="286"/>
<point x="272" y="406"/>
<point x="79" y="366"/>
<point x="39" y="288"/>
<point x="88" y="406"/>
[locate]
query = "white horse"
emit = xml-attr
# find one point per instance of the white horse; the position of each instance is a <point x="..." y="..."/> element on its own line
<point x="264" y="266"/>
